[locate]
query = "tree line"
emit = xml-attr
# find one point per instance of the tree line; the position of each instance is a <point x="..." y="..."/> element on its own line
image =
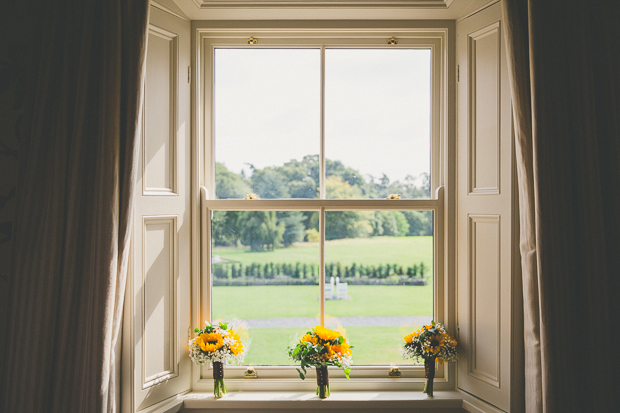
<point x="266" y="230"/>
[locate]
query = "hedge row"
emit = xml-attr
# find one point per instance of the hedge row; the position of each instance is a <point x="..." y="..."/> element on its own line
<point x="286" y="280"/>
<point x="303" y="271"/>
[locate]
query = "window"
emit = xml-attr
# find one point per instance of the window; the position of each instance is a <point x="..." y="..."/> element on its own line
<point x="323" y="127"/>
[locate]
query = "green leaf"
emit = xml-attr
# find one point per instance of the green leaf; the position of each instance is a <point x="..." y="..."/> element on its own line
<point x="346" y="373"/>
<point x="340" y="340"/>
<point x="196" y="330"/>
<point x="301" y="375"/>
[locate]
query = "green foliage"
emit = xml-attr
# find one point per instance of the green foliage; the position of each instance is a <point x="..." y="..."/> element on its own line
<point x="389" y="223"/>
<point x="229" y="184"/>
<point x="312" y="235"/>
<point x="260" y="230"/>
<point x="347" y="224"/>
<point x="300" y="179"/>
<point x="225" y="228"/>
<point x="294" y="228"/>
<point x="269" y="183"/>
<point x="420" y="222"/>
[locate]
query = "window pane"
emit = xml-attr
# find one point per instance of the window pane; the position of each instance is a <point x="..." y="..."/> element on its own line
<point x="377" y="122"/>
<point x="379" y="273"/>
<point x="267" y="122"/>
<point x="265" y="267"/>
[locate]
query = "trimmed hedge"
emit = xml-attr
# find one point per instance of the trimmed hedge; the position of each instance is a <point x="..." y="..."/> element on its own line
<point x="308" y="274"/>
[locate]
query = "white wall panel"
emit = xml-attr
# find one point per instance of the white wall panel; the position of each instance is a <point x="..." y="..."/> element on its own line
<point x="159" y="131"/>
<point x="484" y="109"/>
<point x="484" y="262"/>
<point x="156" y="365"/>
<point x="487" y="310"/>
<point x="159" y="274"/>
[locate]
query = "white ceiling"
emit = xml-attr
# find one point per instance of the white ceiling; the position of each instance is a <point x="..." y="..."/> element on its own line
<point x="323" y="9"/>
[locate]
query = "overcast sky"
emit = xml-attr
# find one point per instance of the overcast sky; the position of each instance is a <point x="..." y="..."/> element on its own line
<point x="377" y="108"/>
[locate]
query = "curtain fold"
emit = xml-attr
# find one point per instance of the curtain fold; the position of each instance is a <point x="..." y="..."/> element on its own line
<point x="74" y="209"/>
<point x="564" y="59"/>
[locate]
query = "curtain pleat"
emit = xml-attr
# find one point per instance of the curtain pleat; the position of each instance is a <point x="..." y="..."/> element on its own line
<point x="75" y="206"/>
<point x="564" y="59"/>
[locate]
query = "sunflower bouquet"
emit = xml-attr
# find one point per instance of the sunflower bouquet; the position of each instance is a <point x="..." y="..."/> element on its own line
<point x="432" y="344"/>
<point x="320" y="348"/>
<point x="217" y="344"/>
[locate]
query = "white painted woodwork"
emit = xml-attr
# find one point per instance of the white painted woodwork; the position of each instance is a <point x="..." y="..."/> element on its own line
<point x="485" y="229"/>
<point x="484" y="66"/>
<point x="160" y="265"/>
<point x="327" y="9"/>
<point x="158" y="304"/>
<point x="159" y="113"/>
<point x="434" y="36"/>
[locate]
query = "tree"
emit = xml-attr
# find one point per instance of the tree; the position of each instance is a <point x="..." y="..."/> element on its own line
<point x="261" y="230"/>
<point x="269" y="183"/>
<point x="225" y="228"/>
<point x="294" y="228"/>
<point x="420" y="222"/>
<point x="229" y="184"/>
<point x="389" y="223"/>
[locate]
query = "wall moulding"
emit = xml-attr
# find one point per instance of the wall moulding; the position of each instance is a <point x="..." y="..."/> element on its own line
<point x="205" y="4"/>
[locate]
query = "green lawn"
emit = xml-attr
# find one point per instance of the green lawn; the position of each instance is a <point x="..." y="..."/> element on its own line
<point x="278" y="301"/>
<point x="372" y="345"/>
<point x="404" y="251"/>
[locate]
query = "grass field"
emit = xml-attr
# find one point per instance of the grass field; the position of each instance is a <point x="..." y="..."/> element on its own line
<point x="376" y="345"/>
<point x="370" y="251"/>
<point x="280" y="301"/>
<point x="373" y="345"/>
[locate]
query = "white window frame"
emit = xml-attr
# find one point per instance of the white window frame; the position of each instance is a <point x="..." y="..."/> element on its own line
<point x="236" y="34"/>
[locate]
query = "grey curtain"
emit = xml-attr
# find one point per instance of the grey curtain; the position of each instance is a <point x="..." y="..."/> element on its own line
<point x="74" y="209"/>
<point x="564" y="59"/>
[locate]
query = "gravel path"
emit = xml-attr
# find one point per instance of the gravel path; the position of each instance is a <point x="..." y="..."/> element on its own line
<point x="387" y="321"/>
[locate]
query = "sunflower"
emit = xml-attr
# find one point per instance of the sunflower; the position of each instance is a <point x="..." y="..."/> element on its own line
<point x="343" y="349"/>
<point x="409" y="338"/>
<point x="326" y="334"/>
<point x="210" y="342"/>
<point x="434" y="343"/>
<point x="328" y="352"/>
<point x="309" y="339"/>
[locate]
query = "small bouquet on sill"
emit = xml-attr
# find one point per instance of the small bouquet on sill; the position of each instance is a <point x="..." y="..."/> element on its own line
<point x="217" y="344"/>
<point x="320" y="348"/>
<point x="431" y="344"/>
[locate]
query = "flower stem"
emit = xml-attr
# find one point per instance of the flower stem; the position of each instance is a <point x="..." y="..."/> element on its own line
<point x="323" y="391"/>
<point x="428" y="387"/>
<point x="219" y="388"/>
<point x="322" y="382"/>
<point x="429" y="372"/>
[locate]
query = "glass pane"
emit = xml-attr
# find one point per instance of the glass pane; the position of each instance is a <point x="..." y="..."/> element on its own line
<point x="379" y="270"/>
<point x="267" y="122"/>
<point x="377" y="122"/>
<point x="265" y="267"/>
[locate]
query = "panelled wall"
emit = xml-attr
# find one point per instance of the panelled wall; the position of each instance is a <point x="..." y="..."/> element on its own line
<point x="158" y="307"/>
<point x="485" y="216"/>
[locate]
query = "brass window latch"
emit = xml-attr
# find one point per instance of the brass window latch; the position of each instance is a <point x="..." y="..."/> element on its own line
<point x="394" y="372"/>
<point x="250" y="373"/>
<point x="392" y="41"/>
<point x="252" y="40"/>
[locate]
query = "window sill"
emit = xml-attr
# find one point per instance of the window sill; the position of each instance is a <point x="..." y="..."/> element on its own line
<point x="358" y="401"/>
